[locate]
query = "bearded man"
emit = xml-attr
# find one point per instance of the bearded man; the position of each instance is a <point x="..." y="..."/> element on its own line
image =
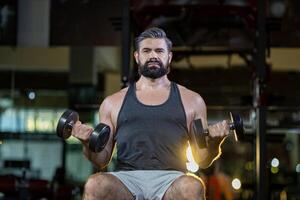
<point x="151" y="125"/>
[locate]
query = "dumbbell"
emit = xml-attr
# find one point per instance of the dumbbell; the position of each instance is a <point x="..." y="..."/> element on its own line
<point x="98" y="138"/>
<point x="235" y="125"/>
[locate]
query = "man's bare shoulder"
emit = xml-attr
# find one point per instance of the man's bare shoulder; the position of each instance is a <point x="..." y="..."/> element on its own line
<point x="116" y="98"/>
<point x="193" y="103"/>
<point x="110" y="107"/>
<point x="190" y="96"/>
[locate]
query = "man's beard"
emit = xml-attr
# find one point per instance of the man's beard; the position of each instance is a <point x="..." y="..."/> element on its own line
<point x="153" y="72"/>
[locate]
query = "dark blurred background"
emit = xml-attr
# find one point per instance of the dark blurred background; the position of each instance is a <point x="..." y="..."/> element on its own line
<point x="241" y="56"/>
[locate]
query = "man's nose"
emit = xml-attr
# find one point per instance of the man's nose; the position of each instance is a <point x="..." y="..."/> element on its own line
<point x="153" y="55"/>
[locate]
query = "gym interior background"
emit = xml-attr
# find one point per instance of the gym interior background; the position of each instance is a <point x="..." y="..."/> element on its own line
<point x="240" y="55"/>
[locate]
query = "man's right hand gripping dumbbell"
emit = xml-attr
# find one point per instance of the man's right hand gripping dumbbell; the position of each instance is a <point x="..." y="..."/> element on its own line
<point x="96" y="138"/>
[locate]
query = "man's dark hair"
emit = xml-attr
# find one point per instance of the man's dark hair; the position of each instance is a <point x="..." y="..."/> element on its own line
<point x="153" y="32"/>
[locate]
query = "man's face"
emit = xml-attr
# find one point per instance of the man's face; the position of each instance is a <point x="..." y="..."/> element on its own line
<point x="153" y="58"/>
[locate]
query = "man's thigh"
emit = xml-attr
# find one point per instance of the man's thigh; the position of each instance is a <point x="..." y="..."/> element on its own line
<point x="186" y="187"/>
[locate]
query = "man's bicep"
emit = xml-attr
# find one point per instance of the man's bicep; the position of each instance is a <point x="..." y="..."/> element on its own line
<point x="105" y="117"/>
<point x="198" y="125"/>
<point x="105" y="113"/>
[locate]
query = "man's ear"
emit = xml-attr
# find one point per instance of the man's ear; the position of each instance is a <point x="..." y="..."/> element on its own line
<point x="170" y="56"/>
<point x="136" y="56"/>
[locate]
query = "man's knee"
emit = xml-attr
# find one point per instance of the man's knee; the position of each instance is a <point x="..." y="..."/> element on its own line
<point x="98" y="183"/>
<point x="105" y="186"/>
<point x="191" y="186"/>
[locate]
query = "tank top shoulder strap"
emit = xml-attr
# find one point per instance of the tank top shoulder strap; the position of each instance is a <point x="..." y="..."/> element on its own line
<point x="131" y="89"/>
<point x="128" y="96"/>
<point x="174" y="93"/>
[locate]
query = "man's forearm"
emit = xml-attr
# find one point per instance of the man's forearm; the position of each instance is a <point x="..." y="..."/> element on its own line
<point x="210" y="153"/>
<point x="214" y="148"/>
<point x="98" y="159"/>
<point x="207" y="157"/>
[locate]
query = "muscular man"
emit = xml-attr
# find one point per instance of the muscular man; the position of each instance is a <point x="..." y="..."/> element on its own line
<point x="151" y="124"/>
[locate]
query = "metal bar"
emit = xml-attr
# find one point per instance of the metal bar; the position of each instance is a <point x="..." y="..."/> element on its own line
<point x="64" y="158"/>
<point x="259" y="103"/>
<point x="211" y="52"/>
<point x="261" y="179"/>
<point x="125" y="43"/>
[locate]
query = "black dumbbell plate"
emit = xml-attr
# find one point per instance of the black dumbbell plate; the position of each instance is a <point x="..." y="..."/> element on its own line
<point x="238" y="126"/>
<point x="99" y="137"/>
<point x="65" y="122"/>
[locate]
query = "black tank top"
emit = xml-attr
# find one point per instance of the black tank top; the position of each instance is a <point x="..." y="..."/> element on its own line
<point x="151" y="137"/>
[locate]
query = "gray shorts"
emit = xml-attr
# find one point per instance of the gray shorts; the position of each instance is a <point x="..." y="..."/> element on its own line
<point x="147" y="184"/>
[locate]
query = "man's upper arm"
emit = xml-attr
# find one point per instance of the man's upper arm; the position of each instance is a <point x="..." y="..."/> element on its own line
<point x="105" y="111"/>
<point x="199" y="108"/>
